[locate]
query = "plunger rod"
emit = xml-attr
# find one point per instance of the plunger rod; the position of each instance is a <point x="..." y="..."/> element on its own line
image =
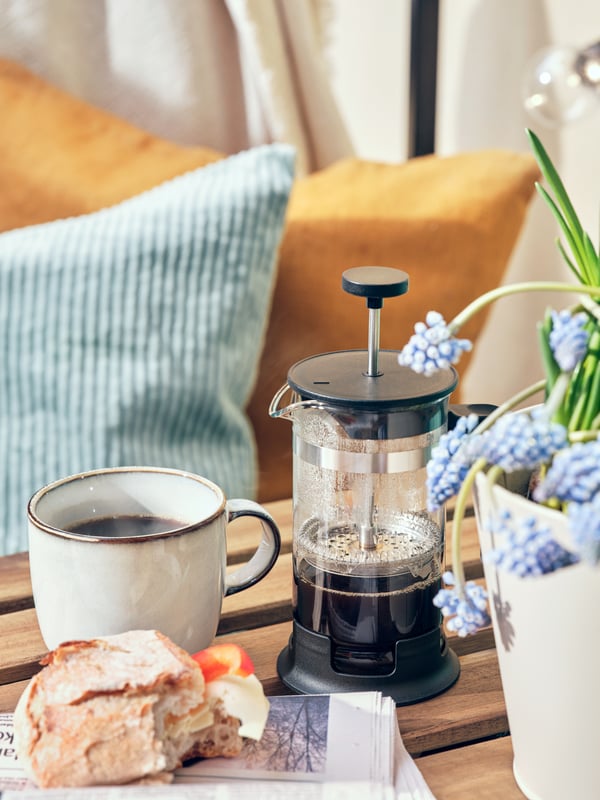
<point x="366" y="536"/>
<point x="374" y="333"/>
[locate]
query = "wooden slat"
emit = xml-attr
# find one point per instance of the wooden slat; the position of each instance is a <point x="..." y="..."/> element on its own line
<point x="22" y="646"/>
<point x="19" y="656"/>
<point x="470" y="549"/>
<point x="472" y="709"/>
<point x="15" y="584"/>
<point x="266" y="603"/>
<point x="9" y="695"/>
<point x="482" y="770"/>
<point x="483" y="640"/>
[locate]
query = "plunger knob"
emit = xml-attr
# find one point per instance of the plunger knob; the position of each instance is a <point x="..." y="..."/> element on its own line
<point x="374" y="283"/>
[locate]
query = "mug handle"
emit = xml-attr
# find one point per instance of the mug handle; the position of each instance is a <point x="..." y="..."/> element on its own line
<point x="266" y="553"/>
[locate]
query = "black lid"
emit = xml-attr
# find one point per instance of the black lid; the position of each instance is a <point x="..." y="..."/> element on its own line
<point x="340" y="379"/>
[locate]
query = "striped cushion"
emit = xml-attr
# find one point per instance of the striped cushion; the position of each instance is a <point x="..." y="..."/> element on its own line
<point x="132" y="335"/>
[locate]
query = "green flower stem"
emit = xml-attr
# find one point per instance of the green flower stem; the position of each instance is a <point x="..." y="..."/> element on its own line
<point x="591" y="370"/>
<point x="508" y="405"/>
<point x="593" y="399"/>
<point x="578" y="411"/>
<point x="557" y="395"/>
<point x="572" y="396"/>
<point x="591" y="307"/>
<point x="583" y="436"/>
<point x="459" y="515"/>
<point x="494" y="473"/>
<point x="517" y="288"/>
<point x="588" y="371"/>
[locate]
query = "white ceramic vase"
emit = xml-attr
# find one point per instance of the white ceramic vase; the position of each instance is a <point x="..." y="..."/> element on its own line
<point x="547" y="633"/>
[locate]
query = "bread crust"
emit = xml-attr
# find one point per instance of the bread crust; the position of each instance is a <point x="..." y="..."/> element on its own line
<point x="115" y="710"/>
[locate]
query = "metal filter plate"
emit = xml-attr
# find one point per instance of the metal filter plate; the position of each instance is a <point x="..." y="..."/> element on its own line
<point x="409" y="544"/>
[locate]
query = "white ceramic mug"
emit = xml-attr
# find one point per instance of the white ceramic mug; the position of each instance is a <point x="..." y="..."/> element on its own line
<point x="137" y="548"/>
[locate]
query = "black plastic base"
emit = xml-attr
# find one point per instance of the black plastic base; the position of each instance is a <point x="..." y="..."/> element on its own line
<point x="425" y="666"/>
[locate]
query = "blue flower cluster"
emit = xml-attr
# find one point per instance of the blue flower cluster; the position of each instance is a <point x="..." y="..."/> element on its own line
<point x="517" y="441"/>
<point x="574" y="478"/>
<point x="568" y="338"/>
<point x="574" y="475"/>
<point x="432" y="347"/>
<point x="527" y="548"/>
<point x="450" y="461"/>
<point x="467" y="613"/>
<point x="584" y="525"/>
<point x="522" y="441"/>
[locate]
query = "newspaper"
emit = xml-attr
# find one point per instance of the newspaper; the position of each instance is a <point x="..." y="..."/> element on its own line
<point x="251" y="790"/>
<point x="315" y="747"/>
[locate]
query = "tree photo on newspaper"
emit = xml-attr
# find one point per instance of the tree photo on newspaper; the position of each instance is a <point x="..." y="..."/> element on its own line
<point x="339" y="737"/>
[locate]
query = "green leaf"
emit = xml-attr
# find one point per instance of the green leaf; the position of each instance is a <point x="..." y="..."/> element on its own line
<point x="574" y="391"/>
<point x="552" y="177"/>
<point x="592" y="257"/>
<point x="570" y="264"/>
<point x="579" y="407"/>
<point x="577" y="247"/>
<point x="593" y="401"/>
<point x="587" y="399"/>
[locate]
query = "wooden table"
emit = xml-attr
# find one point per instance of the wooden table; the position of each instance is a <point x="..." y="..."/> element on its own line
<point x="459" y="739"/>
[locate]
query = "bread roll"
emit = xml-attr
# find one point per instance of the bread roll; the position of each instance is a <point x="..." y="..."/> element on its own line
<point x="118" y="709"/>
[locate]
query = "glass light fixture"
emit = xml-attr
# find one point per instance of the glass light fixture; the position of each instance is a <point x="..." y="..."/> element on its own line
<point x="562" y="84"/>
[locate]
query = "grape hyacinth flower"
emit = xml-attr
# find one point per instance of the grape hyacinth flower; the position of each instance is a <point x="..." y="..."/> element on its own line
<point x="468" y="612"/>
<point x="527" y="548"/>
<point x="450" y="462"/>
<point x="568" y="338"/>
<point x="522" y="441"/>
<point x="432" y="347"/>
<point x="574" y="476"/>
<point x="584" y="524"/>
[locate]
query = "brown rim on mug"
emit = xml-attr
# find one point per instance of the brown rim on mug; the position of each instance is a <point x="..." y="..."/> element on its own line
<point x="180" y="531"/>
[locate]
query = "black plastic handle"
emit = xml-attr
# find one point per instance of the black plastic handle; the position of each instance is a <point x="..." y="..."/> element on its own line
<point x="458" y="410"/>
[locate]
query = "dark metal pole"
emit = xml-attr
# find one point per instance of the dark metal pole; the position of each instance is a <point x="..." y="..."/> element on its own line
<point x="423" y="77"/>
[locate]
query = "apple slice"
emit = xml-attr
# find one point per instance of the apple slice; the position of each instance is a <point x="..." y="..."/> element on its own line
<point x="223" y="659"/>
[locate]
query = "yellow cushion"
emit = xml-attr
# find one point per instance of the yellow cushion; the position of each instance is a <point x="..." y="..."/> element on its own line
<point x="451" y="223"/>
<point x="61" y="157"/>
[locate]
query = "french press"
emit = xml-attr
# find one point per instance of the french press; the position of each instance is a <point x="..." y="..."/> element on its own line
<point x="367" y="554"/>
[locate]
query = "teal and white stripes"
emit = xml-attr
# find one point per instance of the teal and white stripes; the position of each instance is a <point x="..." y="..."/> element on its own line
<point x="132" y="335"/>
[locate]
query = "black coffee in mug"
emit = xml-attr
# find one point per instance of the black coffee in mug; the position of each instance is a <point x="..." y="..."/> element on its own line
<point x="125" y="526"/>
